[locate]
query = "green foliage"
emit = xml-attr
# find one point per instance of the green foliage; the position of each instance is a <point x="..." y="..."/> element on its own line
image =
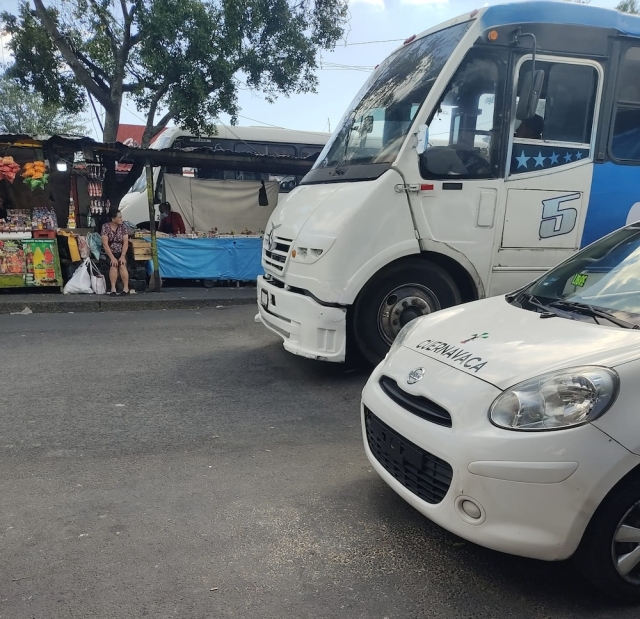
<point x="181" y="60"/>
<point x="24" y="111"/>
<point x="629" y="6"/>
<point x="41" y="65"/>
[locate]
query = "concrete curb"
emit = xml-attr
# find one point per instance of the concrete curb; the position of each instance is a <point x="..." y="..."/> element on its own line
<point x="129" y="304"/>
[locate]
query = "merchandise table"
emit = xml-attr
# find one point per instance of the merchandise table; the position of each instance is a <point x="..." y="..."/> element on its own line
<point x="235" y="258"/>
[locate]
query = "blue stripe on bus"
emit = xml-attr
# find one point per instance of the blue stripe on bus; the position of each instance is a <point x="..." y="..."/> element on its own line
<point x="560" y="13"/>
<point x="614" y="190"/>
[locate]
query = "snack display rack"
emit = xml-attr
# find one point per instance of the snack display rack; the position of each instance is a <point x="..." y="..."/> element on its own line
<point x="29" y="250"/>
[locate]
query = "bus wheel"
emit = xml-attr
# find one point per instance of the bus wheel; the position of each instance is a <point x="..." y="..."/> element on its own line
<point x="397" y="295"/>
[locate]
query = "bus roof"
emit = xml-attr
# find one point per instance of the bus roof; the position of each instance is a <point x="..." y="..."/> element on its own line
<point x="257" y="134"/>
<point x="546" y="12"/>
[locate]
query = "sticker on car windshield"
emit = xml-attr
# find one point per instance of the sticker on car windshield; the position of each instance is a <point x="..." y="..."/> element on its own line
<point x="579" y="279"/>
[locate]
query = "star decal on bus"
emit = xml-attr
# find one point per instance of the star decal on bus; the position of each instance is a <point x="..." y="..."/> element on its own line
<point x="522" y="160"/>
<point x="539" y="160"/>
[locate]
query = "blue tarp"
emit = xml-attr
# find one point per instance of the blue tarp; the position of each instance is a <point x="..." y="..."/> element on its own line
<point x="222" y="258"/>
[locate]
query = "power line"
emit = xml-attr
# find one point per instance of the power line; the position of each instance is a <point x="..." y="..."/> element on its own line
<point x="312" y="133"/>
<point x="372" y="42"/>
<point x="134" y="114"/>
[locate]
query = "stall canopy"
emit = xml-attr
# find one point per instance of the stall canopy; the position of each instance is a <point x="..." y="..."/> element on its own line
<point x="200" y="157"/>
<point x="225" y="204"/>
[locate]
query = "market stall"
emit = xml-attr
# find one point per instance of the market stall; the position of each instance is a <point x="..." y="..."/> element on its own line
<point x="225" y="222"/>
<point x="28" y="249"/>
<point x="229" y="258"/>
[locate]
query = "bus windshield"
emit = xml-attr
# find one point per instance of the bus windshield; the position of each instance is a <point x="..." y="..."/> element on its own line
<point x="378" y="120"/>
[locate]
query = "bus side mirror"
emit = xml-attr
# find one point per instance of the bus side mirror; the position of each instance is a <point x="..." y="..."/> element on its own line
<point x="423" y="139"/>
<point x="530" y="95"/>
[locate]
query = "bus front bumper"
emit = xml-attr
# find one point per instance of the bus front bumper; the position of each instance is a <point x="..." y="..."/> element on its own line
<point x="307" y="328"/>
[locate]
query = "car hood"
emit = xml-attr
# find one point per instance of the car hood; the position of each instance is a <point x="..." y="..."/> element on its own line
<point x="504" y="345"/>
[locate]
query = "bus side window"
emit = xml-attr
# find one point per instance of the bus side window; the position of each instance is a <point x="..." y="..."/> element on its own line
<point x="626" y="129"/>
<point x="571" y="96"/>
<point x="567" y="103"/>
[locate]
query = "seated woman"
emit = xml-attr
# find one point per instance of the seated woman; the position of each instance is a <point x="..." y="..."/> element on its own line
<point x="115" y="241"/>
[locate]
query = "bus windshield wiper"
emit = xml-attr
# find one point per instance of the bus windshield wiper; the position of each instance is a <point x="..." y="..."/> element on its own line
<point x="594" y="312"/>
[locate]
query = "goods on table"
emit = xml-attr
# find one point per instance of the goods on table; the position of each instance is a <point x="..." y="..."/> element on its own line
<point x="8" y="169"/>
<point x="35" y="174"/>
<point x="18" y="220"/>
<point x="71" y="221"/>
<point x="12" y="260"/>
<point x="44" y="218"/>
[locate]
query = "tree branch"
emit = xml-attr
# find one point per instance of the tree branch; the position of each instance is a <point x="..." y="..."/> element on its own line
<point x="128" y="41"/>
<point x="70" y="56"/>
<point x="125" y="13"/>
<point x="100" y="76"/>
<point x="105" y="22"/>
<point x="163" y="122"/>
<point x="152" y="130"/>
<point x="153" y="105"/>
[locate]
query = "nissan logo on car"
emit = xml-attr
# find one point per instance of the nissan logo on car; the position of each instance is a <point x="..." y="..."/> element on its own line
<point x="415" y="376"/>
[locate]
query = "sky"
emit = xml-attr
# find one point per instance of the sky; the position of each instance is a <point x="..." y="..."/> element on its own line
<point x="391" y="21"/>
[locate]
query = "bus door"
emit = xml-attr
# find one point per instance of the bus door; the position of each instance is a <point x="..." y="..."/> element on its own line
<point x="454" y="184"/>
<point x="549" y="169"/>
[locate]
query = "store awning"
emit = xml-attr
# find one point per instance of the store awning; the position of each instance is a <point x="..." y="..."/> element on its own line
<point x="201" y="157"/>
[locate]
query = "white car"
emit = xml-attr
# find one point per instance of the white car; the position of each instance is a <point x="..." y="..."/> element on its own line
<point x="514" y="422"/>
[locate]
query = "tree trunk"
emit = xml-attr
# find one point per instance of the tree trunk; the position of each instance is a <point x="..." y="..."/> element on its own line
<point x="111" y="124"/>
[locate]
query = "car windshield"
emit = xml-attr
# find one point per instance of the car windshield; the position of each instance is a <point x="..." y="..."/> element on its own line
<point x="605" y="275"/>
<point x="378" y="120"/>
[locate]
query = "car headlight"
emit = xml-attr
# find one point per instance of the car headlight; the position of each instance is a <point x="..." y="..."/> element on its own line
<point x="404" y="333"/>
<point x="556" y="400"/>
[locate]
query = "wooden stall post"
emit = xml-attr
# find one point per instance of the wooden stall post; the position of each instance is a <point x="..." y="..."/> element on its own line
<point x="152" y="225"/>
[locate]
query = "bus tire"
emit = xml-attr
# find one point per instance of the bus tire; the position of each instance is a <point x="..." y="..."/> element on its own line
<point x="399" y="293"/>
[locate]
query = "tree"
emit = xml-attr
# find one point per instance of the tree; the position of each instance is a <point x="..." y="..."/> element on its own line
<point x="24" y="111"/>
<point x="629" y="6"/>
<point x="180" y="60"/>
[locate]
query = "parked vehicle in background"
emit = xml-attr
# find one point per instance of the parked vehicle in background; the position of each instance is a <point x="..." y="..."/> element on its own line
<point x="478" y="155"/>
<point x="513" y="421"/>
<point x="262" y="140"/>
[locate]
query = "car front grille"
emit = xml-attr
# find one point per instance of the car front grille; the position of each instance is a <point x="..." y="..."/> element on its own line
<point x="276" y="258"/>
<point x="416" y="404"/>
<point x="424" y="474"/>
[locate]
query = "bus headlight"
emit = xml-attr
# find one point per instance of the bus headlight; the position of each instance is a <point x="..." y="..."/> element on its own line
<point x="556" y="400"/>
<point x="309" y="248"/>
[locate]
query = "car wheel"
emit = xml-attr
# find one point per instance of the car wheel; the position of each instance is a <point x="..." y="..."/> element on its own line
<point x="400" y="293"/>
<point x="609" y="554"/>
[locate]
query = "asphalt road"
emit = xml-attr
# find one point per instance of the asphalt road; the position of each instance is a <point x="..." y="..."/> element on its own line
<point x="181" y="464"/>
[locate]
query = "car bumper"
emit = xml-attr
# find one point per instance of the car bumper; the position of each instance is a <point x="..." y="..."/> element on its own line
<point x="307" y="328"/>
<point x="535" y="491"/>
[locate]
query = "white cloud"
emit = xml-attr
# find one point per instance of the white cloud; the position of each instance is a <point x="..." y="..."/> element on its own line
<point x="378" y="4"/>
<point x="424" y="2"/>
